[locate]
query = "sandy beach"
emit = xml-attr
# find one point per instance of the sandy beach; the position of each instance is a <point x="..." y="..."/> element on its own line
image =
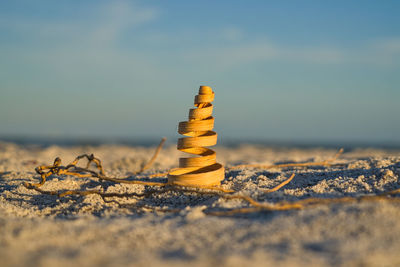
<point x="45" y="230"/>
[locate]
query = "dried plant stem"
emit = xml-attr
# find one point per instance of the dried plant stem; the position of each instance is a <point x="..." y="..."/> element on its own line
<point x="72" y="169"/>
<point x="147" y="193"/>
<point x="226" y="194"/>
<point x="279" y="186"/>
<point x="327" y="162"/>
<point x="211" y="190"/>
<point x="138" y="182"/>
<point x="306" y="203"/>
<point x="156" y="175"/>
<point x="151" y="161"/>
<point x="157" y="188"/>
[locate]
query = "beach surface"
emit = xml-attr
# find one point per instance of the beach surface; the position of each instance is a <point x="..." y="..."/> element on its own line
<point x="176" y="228"/>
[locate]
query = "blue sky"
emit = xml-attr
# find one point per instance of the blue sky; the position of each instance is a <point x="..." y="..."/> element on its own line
<point x="281" y="70"/>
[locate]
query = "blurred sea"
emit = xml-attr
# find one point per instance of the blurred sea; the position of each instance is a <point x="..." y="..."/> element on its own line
<point x="147" y="142"/>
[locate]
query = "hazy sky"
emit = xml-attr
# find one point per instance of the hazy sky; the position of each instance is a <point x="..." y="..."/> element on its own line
<point x="281" y="70"/>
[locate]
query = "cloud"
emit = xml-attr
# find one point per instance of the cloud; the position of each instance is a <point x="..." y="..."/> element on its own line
<point x="236" y="54"/>
<point x="100" y="25"/>
<point x="88" y="43"/>
<point x="97" y="39"/>
<point x="119" y="16"/>
<point x="383" y="52"/>
<point x="375" y="53"/>
<point x="389" y="45"/>
<point x="232" y="34"/>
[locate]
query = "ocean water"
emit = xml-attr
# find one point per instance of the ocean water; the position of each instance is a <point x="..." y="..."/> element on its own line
<point x="147" y="142"/>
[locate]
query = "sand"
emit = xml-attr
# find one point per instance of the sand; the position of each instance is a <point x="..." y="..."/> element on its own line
<point x="42" y="230"/>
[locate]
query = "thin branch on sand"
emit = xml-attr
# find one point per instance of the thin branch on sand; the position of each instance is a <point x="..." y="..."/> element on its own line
<point x="151" y="161"/>
<point x="327" y="162"/>
<point x="157" y="188"/>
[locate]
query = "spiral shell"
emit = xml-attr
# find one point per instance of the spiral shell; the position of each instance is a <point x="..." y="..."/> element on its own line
<point x="203" y="169"/>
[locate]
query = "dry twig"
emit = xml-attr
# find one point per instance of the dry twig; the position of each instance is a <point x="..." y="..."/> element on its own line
<point x="151" y="161"/>
<point x="157" y="188"/>
<point x="327" y="162"/>
<point x="308" y="202"/>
